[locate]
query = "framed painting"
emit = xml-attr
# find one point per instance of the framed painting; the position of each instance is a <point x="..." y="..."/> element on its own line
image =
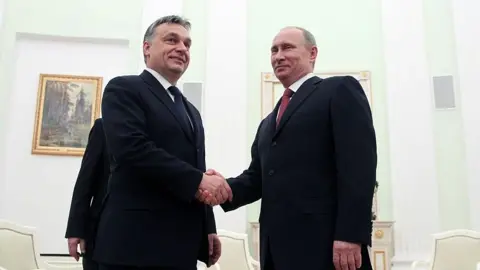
<point x="272" y="91"/>
<point x="67" y="106"/>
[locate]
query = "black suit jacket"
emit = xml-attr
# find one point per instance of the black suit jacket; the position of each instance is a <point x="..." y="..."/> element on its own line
<point x="315" y="174"/>
<point x="151" y="216"/>
<point x="90" y="188"/>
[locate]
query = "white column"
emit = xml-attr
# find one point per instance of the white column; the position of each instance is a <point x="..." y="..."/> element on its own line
<point x="225" y="104"/>
<point x="4" y="98"/>
<point x="467" y="37"/>
<point x="152" y="10"/>
<point x="2" y="117"/>
<point x="2" y="8"/>
<point x="414" y="187"/>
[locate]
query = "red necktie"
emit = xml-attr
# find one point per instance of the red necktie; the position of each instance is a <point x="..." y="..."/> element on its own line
<point x="287" y="94"/>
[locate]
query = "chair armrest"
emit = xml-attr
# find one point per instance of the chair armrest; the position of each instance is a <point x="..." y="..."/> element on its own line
<point x="416" y="264"/>
<point x="255" y="263"/>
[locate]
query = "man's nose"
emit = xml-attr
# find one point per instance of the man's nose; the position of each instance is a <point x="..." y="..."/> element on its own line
<point x="182" y="47"/>
<point x="278" y="57"/>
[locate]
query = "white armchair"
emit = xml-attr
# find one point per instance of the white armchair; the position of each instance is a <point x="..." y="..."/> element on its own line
<point x="456" y="249"/>
<point x="18" y="249"/>
<point x="235" y="252"/>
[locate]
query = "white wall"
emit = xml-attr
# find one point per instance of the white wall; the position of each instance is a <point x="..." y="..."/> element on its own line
<point x="225" y="107"/>
<point x="38" y="188"/>
<point x="414" y="189"/>
<point x="467" y="39"/>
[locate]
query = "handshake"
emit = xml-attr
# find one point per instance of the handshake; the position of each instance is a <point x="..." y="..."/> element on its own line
<point x="213" y="189"/>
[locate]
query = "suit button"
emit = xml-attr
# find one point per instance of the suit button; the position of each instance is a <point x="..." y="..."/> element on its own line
<point x="271" y="172"/>
<point x="198" y="150"/>
<point x="274" y="144"/>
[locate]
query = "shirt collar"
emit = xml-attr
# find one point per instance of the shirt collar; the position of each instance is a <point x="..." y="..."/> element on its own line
<point x="160" y="78"/>
<point x="296" y="85"/>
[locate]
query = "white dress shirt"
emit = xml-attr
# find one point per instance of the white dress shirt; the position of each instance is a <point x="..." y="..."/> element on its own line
<point x="166" y="85"/>
<point x="162" y="81"/>
<point x="296" y="85"/>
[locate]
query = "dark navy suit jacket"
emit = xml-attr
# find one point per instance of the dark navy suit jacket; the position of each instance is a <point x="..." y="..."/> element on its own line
<point x="151" y="217"/>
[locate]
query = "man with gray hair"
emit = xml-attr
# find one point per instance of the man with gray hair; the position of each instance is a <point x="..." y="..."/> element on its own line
<point x="314" y="161"/>
<point x="151" y="217"/>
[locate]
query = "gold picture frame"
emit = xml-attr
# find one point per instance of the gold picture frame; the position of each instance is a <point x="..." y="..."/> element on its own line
<point x="272" y="90"/>
<point x="67" y="106"/>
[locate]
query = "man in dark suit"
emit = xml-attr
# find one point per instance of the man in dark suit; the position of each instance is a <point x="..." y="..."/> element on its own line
<point x="152" y="218"/>
<point x="313" y="165"/>
<point x="89" y="191"/>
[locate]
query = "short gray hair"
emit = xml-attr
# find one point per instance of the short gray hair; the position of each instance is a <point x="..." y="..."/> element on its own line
<point x="170" y="19"/>
<point x="309" y="37"/>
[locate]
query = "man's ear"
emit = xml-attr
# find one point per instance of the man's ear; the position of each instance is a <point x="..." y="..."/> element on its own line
<point x="146" y="49"/>
<point x="313" y="53"/>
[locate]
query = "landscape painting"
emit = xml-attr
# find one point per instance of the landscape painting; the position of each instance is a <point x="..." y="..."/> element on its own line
<point x="67" y="106"/>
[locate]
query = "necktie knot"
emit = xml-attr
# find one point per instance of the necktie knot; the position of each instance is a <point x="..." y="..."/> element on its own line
<point x="174" y="91"/>
<point x="288" y="93"/>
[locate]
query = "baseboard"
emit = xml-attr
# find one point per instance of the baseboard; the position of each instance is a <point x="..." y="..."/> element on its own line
<point x="404" y="262"/>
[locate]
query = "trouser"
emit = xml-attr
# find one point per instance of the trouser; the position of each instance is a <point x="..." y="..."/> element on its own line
<point x="87" y="260"/>
<point x="88" y="263"/>
<point x="269" y="265"/>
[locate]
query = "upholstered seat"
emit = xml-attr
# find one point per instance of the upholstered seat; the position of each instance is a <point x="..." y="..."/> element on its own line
<point x="235" y="252"/>
<point x="453" y="250"/>
<point x="18" y="249"/>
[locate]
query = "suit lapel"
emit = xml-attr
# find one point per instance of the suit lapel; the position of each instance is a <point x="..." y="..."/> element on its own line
<point x="161" y="93"/>
<point x="298" y="98"/>
<point x="272" y="120"/>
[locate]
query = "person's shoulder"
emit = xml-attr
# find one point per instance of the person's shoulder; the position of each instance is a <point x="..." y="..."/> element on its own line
<point x="124" y="84"/>
<point x="340" y="82"/>
<point x="98" y="124"/>
<point x="338" y="79"/>
<point x="125" y="79"/>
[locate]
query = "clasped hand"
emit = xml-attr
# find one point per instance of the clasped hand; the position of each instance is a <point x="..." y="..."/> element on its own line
<point x="214" y="189"/>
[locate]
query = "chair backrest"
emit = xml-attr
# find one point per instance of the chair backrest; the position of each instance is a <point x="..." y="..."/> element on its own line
<point x="235" y="251"/>
<point x="17" y="247"/>
<point x="456" y="249"/>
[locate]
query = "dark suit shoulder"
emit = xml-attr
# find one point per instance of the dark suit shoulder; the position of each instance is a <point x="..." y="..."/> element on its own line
<point x="124" y="87"/>
<point x="341" y="84"/>
<point x="98" y="123"/>
<point x="337" y="79"/>
<point x="125" y="79"/>
<point x="97" y="129"/>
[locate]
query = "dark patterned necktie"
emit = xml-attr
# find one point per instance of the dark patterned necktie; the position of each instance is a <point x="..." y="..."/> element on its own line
<point x="180" y="106"/>
<point x="287" y="94"/>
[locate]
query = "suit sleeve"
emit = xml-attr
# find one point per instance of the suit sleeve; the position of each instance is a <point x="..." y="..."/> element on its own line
<point x="247" y="187"/>
<point x="125" y="127"/>
<point x="84" y="190"/>
<point x="356" y="161"/>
